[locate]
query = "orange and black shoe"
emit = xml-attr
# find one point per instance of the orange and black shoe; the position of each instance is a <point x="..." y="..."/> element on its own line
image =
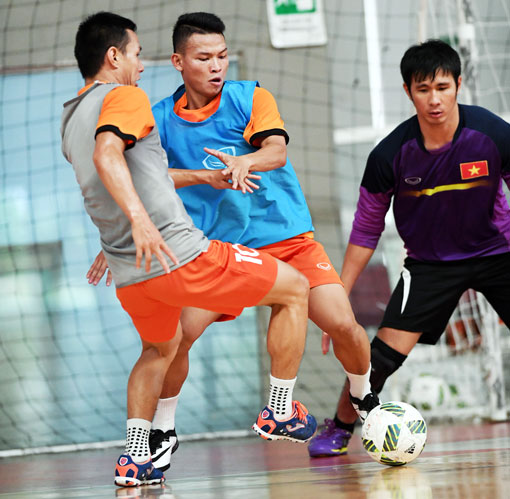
<point x="300" y="427"/>
<point x="131" y="474"/>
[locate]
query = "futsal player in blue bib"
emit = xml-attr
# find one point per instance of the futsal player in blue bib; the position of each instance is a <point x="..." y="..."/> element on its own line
<point x="242" y="188"/>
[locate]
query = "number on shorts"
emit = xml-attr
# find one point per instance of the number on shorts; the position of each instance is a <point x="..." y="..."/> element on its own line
<point x="246" y="255"/>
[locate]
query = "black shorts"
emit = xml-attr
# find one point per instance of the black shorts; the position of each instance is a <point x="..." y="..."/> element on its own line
<point x="428" y="292"/>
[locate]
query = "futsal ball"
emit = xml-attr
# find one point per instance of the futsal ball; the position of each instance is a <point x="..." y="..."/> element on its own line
<point x="394" y="433"/>
<point x="428" y="393"/>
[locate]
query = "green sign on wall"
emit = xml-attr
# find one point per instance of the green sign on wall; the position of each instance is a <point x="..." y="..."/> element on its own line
<point x="296" y="23"/>
<point x="283" y="7"/>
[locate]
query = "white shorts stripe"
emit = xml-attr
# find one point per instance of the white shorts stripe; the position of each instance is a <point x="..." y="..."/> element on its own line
<point x="406" y="277"/>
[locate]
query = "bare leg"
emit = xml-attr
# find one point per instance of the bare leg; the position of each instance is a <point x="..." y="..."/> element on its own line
<point x="194" y="321"/>
<point x="147" y="376"/>
<point x="330" y="309"/>
<point x="286" y="334"/>
<point x="285" y="344"/>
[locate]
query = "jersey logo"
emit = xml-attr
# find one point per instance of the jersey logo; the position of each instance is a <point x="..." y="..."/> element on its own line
<point x="324" y="266"/>
<point x="474" y="169"/>
<point x="412" y="180"/>
<point x="212" y="163"/>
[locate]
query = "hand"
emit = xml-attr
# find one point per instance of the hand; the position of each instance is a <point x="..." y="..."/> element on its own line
<point x="148" y="241"/>
<point x="216" y="179"/>
<point x="237" y="169"/>
<point x="326" y="339"/>
<point x="97" y="270"/>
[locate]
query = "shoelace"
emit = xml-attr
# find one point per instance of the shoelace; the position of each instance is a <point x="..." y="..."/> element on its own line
<point x="301" y="411"/>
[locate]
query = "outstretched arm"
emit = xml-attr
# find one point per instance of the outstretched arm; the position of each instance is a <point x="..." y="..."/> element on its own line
<point x="355" y="260"/>
<point x="113" y="171"/>
<point x="214" y="178"/>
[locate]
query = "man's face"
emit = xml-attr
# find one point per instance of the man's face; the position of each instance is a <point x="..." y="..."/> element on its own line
<point x="435" y="100"/>
<point x="203" y="64"/>
<point x="130" y="65"/>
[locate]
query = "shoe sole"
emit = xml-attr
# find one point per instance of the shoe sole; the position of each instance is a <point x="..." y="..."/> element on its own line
<point x="270" y="436"/>
<point x="331" y="453"/>
<point x="127" y="481"/>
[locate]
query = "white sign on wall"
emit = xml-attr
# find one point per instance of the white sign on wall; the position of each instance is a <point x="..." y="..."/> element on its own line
<point x="296" y="23"/>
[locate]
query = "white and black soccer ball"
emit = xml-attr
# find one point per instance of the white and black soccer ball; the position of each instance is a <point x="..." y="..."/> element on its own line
<point x="394" y="433"/>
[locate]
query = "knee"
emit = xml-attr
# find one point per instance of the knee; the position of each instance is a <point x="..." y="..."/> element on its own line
<point x="161" y="353"/>
<point x="346" y="326"/>
<point x="189" y="336"/>
<point x="301" y="287"/>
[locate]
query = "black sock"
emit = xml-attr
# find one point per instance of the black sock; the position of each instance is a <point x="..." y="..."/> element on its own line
<point x="344" y="426"/>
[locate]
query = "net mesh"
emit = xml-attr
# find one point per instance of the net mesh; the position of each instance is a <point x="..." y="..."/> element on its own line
<point x="67" y="348"/>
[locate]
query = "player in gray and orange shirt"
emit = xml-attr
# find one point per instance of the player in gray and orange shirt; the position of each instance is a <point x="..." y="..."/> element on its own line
<point x="109" y="136"/>
<point x="444" y="169"/>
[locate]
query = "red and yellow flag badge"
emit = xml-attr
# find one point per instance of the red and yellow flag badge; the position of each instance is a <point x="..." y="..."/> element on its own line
<point x="474" y="169"/>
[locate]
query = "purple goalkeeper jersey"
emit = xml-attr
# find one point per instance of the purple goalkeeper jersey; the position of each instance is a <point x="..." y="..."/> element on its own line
<point x="448" y="203"/>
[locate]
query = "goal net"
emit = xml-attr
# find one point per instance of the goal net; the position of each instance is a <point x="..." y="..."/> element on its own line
<point x="67" y="348"/>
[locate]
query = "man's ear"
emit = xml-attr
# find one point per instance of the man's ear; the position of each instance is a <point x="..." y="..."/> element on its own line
<point x="176" y="61"/>
<point x="459" y="82"/>
<point x="112" y="57"/>
<point x="407" y="91"/>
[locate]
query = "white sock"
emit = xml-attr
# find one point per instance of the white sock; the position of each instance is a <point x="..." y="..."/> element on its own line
<point x="280" y="397"/>
<point x="164" y="417"/>
<point x="137" y="440"/>
<point x="360" y="384"/>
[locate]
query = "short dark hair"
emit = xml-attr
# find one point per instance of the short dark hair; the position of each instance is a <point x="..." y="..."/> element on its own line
<point x="427" y="59"/>
<point x="195" y="22"/>
<point x="95" y="36"/>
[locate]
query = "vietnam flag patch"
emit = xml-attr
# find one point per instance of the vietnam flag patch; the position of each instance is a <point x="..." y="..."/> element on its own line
<point x="474" y="169"/>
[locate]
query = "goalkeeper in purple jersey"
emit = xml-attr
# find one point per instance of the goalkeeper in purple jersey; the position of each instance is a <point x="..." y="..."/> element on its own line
<point x="444" y="169"/>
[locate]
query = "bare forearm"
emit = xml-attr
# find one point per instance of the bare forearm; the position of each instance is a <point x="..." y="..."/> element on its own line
<point x="185" y="178"/>
<point x="113" y="171"/>
<point x="355" y="260"/>
<point x="271" y="154"/>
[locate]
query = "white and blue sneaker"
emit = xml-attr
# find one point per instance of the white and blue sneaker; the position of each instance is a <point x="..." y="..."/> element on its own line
<point x="300" y="427"/>
<point x="131" y="474"/>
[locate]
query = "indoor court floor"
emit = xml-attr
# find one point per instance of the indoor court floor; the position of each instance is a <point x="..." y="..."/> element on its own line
<point x="463" y="461"/>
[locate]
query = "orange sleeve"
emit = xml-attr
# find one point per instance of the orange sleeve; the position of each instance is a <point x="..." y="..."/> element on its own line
<point x="126" y="112"/>
<point x="265" y="118"/>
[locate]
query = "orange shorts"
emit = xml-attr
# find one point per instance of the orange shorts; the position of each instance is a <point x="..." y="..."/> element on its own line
<point x="225" y="279"/>
<point x="308" y="256"/>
